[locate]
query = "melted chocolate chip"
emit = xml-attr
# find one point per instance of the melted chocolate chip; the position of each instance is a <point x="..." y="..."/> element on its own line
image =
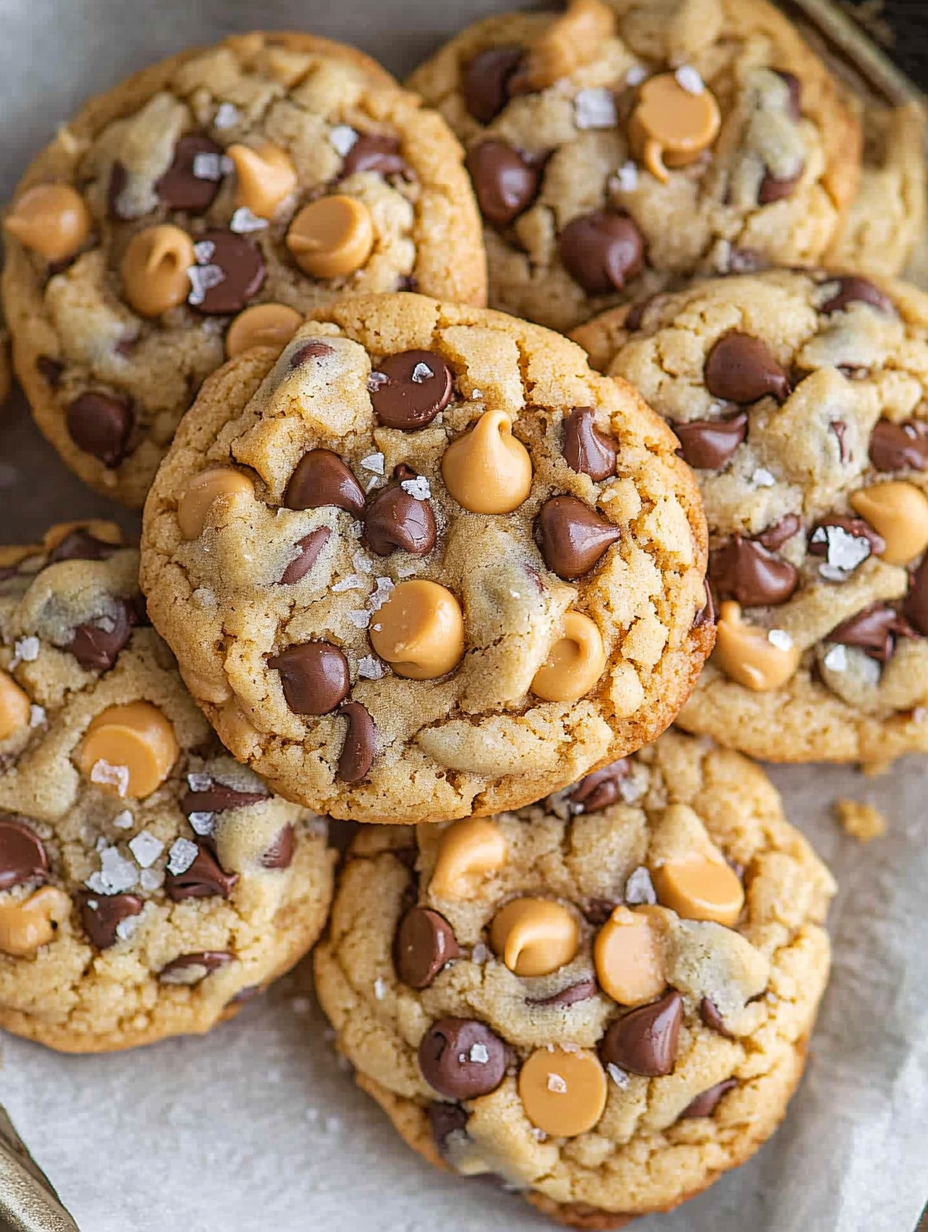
<point x="820" y="540"/>
<point x="853" y="289"/>
<point x="101" y="914"/>
<point x="360" y="747"/>
<point x="80" y="544"/>
<point x="180" y="188"/>
<point x="781" y="532"/>
<point x="773" y="189"/>
<point x="636" y="314"/>
<point x="118" y="180"/>
<point x="424" y="943"/>
<point x="581" y="991"/>
<point x="218" y="798"/>
<point x="409" y="389"/>
<point x="598" y="910"/>
<point x="203" y="879"/>
<point x="746" y="571"/>
<point x="795" y="93"/>
<point x="645" y="1040"/>
<point x="709" y="1013"/>
<point x="875" y="630"/>
<point x="740" y="368"/>
<point x="242" y="268"/>
<point x="574" y="538"/>
<point x="380" y="155"/>
<point x="706" y="615"/>
<point x="321" y="478"/>
<point x="839" y="428"/>
<point x="280" y="853"/>
<point x="586" y="450"/>
<point x="705" y="1104"/>
<point x="97" y="644"/>
<point x="708" y="444"/>
<point x="101" y="424"/>
<point x="601" y="788"/>
<point x="485" y="81"/>
<point x="915" y="607"/>
<point x="505" y="181"/>
<point x="314" y="349"/>
<point x="397" y="520"/>
<point x="445" y="1120"/>
<point x="602" y="251"/>
<point x="899" y="447"/>
<point x="314" y="677"/>
<point x="310" y="546"/>
<point x="50" y="370"/>
<point x="461" y="1058"/>
<point x="22" y="853"/>
<point x="186" y="969"/>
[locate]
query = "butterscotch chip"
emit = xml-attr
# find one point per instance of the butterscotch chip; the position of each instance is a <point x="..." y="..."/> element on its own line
<point x="563" y="1093"/>
<point x="129" y="750"/>
<point x="575" y="663"/>
<point x="898" y="512"/>
<point x="629" y="958"/>
<point x="470" y="850"/>
<point x="51" y="220"/>
<point x="700" y="890"/>
<point x="266" y="177"/>
<point x="672" y="124"/>
<point x="747" y="653"/>
<point x="488" y="470"/>
<point x="156" y="270"/>
<point x="15" y="707"/>
<point x="270" y="325"/>
<point x="534" y="936"/>
<point x="27" y="925"/>
<point x="332" y="237"/>
<point x="419" y="631"/>
<point x="219" y="483"/>
<point x="861" y="821"/>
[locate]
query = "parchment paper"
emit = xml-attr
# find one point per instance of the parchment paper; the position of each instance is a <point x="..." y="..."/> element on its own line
<point x="256" y="1126"/>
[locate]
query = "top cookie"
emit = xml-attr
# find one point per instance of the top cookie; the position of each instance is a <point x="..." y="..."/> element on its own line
<point x="624" y="142"/>
<point x="427" y="564"/>
<point x="802" y="399"/>
<point x="204" y="206"/>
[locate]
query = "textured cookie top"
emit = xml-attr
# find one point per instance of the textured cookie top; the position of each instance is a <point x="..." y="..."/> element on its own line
<point x="621" y="142"/>
<point x="801" y="401"/>
<point x="603" y="999"/>
<point x="147" y="882"/>
<point x="273" y="170"/>
<point x="427" y="563"/>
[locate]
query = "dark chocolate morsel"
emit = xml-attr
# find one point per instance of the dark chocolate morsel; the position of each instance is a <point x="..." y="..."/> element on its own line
<point x="601" y="788"/>
<point x="705" y="1104"/>
<point x="101" y="425"/>
<point x="203" y="879"/>
<point x="360" y="745"/>
<point x="746" y="571"/>
<point x="505" y="181"/>
<point x="424" y="943"/>
<point x="50" y="370"/>
<point x="586" y="450"/>
<point x="709" y="1013"/>
<point x="97" y="644"/>
<point x="645" y="1040"/>
<point x="410" y="388"/>
<point x="602" y="251"/>
<point x="310" y="546"/>
<point x="795" y="93"/>
<point x="781" y="532"/>
<point x="773" y="189"/>
<point x="238" y="269"/>
<point x="445" y="1120"/>
<point x="101" y="914"/>
<point x="899" y="446"/>
<point x="915" y="607"/>
<point x="854" y="289"/>
<point x="187" y="968"/>
<point x="874" y="630"/>
<point x="80" y="544"/>
<point x="574" y="538"/>
<point x="22" y="853"/>
<point x="708" y="444"/>
<point x="398" y="520"/>
<point x="485" y="81"/>
<point x="741" y="368"/>
<point x="218" y="798"/>
<point x="581" y="991"/>
<point x="379" y="154"/>
<point x="280" y="853"/>
<point x="117" y="182"/>
<point x="598" y="910"/>
<point x="321" y="478"/>
<point x="181" y="188"/>
<point x="314" y="677"/>
<point x="461" y="1058"/>
<point x="315" y="348"/>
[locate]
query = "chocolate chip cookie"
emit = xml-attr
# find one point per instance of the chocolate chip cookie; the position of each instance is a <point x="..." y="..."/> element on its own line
<point x="149" y="885"/>
<point x="426" y="562"/>
<point x="623" y="143"/>
<point x="802" y="401"/>
<point x="603" y="999"/>
<point x="205" y="206"/>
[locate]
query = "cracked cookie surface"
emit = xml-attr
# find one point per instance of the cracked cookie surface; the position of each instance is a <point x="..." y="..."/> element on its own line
<point x="149" y="885"/>
<point x="621" y="145"/>
<point x="466" y="976"/>
<point x="205" y="205"/>
<point x="801" y="400"/>
<point x="427" y="563"/>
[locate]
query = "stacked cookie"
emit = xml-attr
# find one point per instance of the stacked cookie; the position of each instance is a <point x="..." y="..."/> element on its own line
<point x="430" y="566"/>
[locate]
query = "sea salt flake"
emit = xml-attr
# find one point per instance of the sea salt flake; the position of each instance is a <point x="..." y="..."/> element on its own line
<point x="376" y="381"/>
<point x="202" y="279"/>
<point x="36" y="715"/>
<point x="342" y="138"/>
<point x="380" y="988"/>
<point x="100" y="845"/>
<point x="476" y="394"/>
<point x="373" y="462"/>
<point x="362" y="562"/>
<point x="116" y="874"/>
<point x="208" y="166"/>
<point x="227" y="116"/>
<point x="595" y="108"/>
<point x="124" y="820"/>
<point x="182" y="855"/>
<point x="406" y="571"/>
<point x="479" y="1054"/>
<point x="353" y="581"/>
<point x="636" y="75"/>
<point x="480" y="953"/>
<point x="380" y="595"/>
<point x="146" y="848"/>
<point x="689" y="79"/>
<point x="556" y="1084"/>
<point x="762" y="478"/>
<point x="780" y="638"/>
<point x="110" y="776"/>
<point x="418" y="488"/>
<point x="421" y="373"/>
<point x="626" y="178"/>
<point x="202" y="823"/>
<point x="203" y="251"/>
<point x="374" y="482"/>
<point x="151" y="879"/>
<point x="630" y="790"/>
<point x="359" y="619"/>
<point x="199" y="782"/>
<point x="26" y="649"/>
<point x="125" y="928"/>
<point x="539" y="1134"/>
<point x="243" y="222"/>
<point x="639" y="888"/>
<point x="836" y="659"/>
<point x="618" y="1076"/>
<point x="844" y="552"/>
<point x="370" y="668"/>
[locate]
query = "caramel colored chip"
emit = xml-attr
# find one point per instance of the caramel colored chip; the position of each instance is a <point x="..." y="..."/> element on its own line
<point x="50" y="219"/>
<point x="746" y="653"/>
<point x="469" y="850"/>
<point x="700" y="890"/>
<point x="129" y="750"/>
<point x="154" y="269"/>
<point x="32" y="923"/>
<point x="671" y="126"/>
<point x="563" y="1093"/>
<point x="266" y="177"/>
<point x="103" y="532"/>
<point x="534" y="936"/>
<point x="575" y="663"/>
<point x="487" y="470"/>
<point x="898" y="512"/>
<point x="262" y="325"/>
<point x="203" y="490"/>
<point x="15" y="707"/>
<point x="331" y="237"/>
<point x="419" y="630"/>
<point x="570" y="41"/>
<point x="629" y="958"/>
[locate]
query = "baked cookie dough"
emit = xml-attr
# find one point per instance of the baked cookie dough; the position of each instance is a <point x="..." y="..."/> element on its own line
<point x="603" y="999"/>
<point x="620" y="144"/>
<point x="427" y="563"/>
<point x="149" y="885"/>
<point x="802" y="400"/>
<point x="204" y="206"/>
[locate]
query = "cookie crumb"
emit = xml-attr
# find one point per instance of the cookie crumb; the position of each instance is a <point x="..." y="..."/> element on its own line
<point x="861" y="821"/>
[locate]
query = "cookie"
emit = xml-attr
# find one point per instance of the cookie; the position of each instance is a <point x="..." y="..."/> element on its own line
<point x="603" y="999"/>
<point x="620" y="144"/>
<point x="802" y="400"/>
<point x="427" y="563"/>
<point x="149" y="885"/>
<point x="204" y="206"/>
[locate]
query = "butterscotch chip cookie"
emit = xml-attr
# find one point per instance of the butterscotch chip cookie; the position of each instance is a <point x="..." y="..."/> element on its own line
<point x="149" y="885"/>
<point x="802" y="401"/>
<point x="204" y="206"/>
<point x="604" y="999"/>
<point x="426" y="562"/>
<point x="623" y="143"/>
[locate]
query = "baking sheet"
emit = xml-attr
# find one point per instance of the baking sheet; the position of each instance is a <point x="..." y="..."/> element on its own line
<point x="256" y="1126"/>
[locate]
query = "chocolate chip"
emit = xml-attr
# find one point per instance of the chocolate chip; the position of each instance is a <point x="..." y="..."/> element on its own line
<point x="82" y="545"/>
<point x="581" y="991"/>
<point x="409" y="389"/>
<point x="218" y="798"/>
<point x="424" y="943"/>
<point x="636" y="314"/>
<point x="203" y="879"/>
<point x="398" y="520"/>
<point x="118" y="180"/>
<point x="573" y="537"/>
<point x="242" y="268"/>
<point x="795" y="93"/>
<point x="97" y="644"/>
<point x="310" y="546"/>
<point x="874" y="630"/>
<point x="705" y="1104"/>
<point x="445" y="1120"/>
<point x="381" y="155"/>
<point x="100" y="424"/>
<point x="899" y="446"/>
<point x="746" y="571"/>
<point x="645" y="1040"/>
<point x="248" y="993"/>
<point x="187" y="968"/>
<point x="314" y="677"/>
<point x="602" y="251"/>
<point x="740" y="368"/>
<point x="915" y="607"/>
<point x="709" y="1013"/>
<point x="461" y="1058"/>
<point x="280" y="853"/>
<point x="825" y="539"/>
<point x="505" y="181"/>
<point x="485" y="81"/>
<point x="314" y="349"/>
<point x="407" y="282"/>
<point x="586" y="450"/>
<point x="50" y="370"/>
<point x="102" y="913"/>
<point x="22" y="853"/>
<point x="360" y="745"/>
<point x="601" y="788"/>
<point x="321" y="478"/>
<point x="853" y="289"/>
<point x="706" y="615"/>
<point x="180" y="188"/>
<point x="598" y="910"/>
<point x="708" y="444"/>
<point x="839" y="428"/>
<point x="773" y="189"/>
<point x="781" y="532"/>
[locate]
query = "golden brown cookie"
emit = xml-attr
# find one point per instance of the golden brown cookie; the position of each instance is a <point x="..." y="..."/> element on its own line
<point x="273" y="170"/>
<point x="426" y="563"/>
